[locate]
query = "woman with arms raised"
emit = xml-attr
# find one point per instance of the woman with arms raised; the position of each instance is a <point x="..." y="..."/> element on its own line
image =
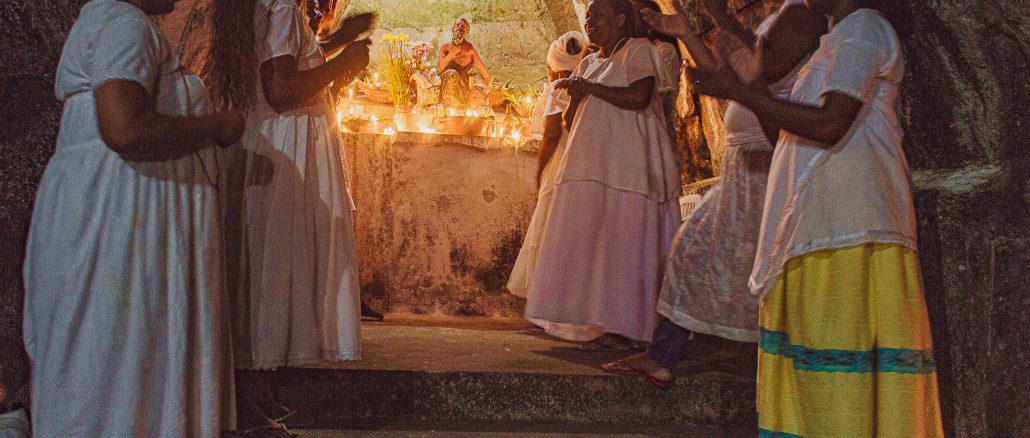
<point x="296" y="297"/>
<point x="706" y="280"/>
<point x="124" y="294"/>
<point x="615" y="207"/>
<point x="844" y="346"/>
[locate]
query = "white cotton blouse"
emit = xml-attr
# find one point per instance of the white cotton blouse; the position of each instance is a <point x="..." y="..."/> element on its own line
<point x="859" y="190"/>
<point x="290" y="38"/>
<point x="643" y="160"/>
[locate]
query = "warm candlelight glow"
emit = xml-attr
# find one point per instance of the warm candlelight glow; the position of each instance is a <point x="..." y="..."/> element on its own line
<point x="528" y="100"/>
<point x="389" y="131"/>
<point x="515" y="134"/>
<point x="350" y="93"/>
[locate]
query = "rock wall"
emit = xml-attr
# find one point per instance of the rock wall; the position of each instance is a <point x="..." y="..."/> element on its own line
<point x="439" y="221"/>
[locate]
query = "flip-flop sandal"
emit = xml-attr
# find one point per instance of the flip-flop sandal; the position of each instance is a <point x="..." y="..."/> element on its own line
<point x="632" y="371"/>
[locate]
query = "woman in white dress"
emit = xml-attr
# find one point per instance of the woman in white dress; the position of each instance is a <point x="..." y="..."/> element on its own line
<point x="615" y="207"/>
<point x="297" y="294"/>
<point x="124" y="294"/>
<point x="563" y="56"/>
<point x="706" y="283"/>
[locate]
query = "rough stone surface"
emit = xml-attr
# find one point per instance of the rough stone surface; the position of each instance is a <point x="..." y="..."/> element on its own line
<point x="420" y="372"/>
<point x="439" y="220"/>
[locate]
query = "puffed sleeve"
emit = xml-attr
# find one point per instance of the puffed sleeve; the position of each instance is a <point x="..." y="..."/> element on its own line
<point x="671" y="65"/>
<point x="644" y="61"/>
<point x="128" y="48"/>
<point x="857" y="61"/>
<point x="283" y="34"/>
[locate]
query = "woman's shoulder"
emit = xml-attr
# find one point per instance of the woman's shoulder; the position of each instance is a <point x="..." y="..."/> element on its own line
<point x="867" y="25"/>
<point x="99" y="12"/>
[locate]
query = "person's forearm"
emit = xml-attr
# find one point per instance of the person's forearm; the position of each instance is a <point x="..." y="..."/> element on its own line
<point x="547" y="149"/>
<point x="444" y="60"/>
<point x="569" y="115"/>
<point x="698" y="51"/>
<point x="296" y="88"/>
<point x="629" y="98"/>
<point x="158" y="137"/>
<point x="338" y="40"/>
<point x="803" y="120"/>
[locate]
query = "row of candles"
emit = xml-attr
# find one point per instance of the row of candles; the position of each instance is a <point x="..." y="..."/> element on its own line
<point x="497" y="130"/>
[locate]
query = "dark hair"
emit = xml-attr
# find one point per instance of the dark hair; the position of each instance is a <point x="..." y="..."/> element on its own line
<point x="625" y="8"/>
<point x="233" y="69"/>
<point x="652" y="34"/>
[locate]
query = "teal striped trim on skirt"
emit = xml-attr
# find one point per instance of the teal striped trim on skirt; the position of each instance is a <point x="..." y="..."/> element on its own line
<point x="883" y="360"/>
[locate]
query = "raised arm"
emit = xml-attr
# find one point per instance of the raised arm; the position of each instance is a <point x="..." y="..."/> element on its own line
<point x="286" y="87"/>
<point x="352" y="27"/>
<point x="131" y="126"/>
<point x="826" y="123"/>
<point x="677" y="26"/>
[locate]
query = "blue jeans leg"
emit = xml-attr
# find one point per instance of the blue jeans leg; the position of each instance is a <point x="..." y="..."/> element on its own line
<point x="669" y="342"/>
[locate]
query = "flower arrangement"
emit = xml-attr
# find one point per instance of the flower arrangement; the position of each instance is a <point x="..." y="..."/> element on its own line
<point x="397" y="65"/>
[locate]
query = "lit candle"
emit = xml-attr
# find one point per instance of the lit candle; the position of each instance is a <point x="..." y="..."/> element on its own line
<point x="375" y="79"/>
<point x="528" y="100"/>
<point x="350" y="93"/>
<point x="515" y="134"/>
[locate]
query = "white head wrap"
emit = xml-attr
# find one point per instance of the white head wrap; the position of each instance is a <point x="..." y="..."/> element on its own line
<point x="558" y="59"/>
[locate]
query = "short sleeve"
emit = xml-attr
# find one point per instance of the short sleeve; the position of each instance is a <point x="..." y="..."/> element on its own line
<point x="644" y="61"/>
<point x="856" y="61"/>
<point x="671" y="65"/>
<point x="283" y="34"/>
<point x="127" y="48"/>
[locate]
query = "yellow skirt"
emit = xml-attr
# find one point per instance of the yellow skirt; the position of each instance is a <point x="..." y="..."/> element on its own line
<point x="845" y="348"/>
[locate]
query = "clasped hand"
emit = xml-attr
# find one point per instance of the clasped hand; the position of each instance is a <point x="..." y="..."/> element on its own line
<point x="575" y="86"/>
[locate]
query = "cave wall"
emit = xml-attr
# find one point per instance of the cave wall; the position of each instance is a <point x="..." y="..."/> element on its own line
<point x="965" y="106"/>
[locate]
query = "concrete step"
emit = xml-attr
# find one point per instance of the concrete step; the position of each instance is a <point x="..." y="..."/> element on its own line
<point x="536" y="430"/>
<point x="418" y="369"/>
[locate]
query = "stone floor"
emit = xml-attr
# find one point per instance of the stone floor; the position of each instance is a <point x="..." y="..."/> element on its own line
<point x="456" y="377"/>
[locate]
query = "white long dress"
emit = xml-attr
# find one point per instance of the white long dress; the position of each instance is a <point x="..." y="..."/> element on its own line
<point x="124" y="291"/>
<point x="299" y="299"/>
<point x="615" y="207"/>
<point x="706" y="283"/>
